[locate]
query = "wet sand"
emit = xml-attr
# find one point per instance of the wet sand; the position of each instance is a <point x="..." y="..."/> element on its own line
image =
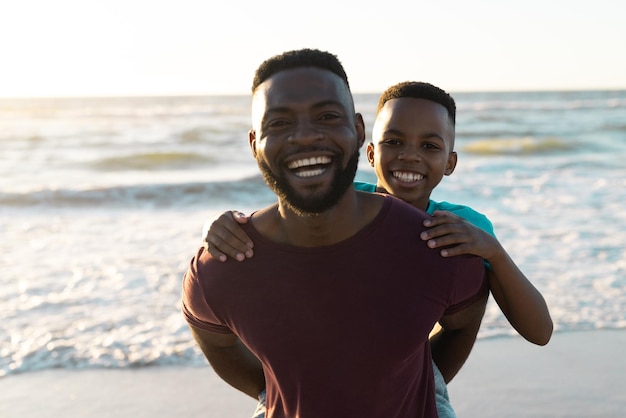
<point x="578" y="374"/>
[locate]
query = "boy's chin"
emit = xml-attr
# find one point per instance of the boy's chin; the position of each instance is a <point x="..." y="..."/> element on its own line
<point x="410" y="198"/>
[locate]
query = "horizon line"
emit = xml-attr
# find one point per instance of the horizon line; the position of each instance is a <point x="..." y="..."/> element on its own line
<point x="183" y="95"/>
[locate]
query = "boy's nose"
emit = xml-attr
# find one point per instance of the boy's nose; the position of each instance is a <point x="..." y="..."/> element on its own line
<point x="410" y="153"/>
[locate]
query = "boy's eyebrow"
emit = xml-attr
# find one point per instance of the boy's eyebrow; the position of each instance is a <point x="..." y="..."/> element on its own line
<point x="434" y="134"/>
<point x="393" y="132"/>
<point x="397" y="132"/>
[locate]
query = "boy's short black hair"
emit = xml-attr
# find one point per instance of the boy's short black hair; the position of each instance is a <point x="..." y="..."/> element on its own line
<point x="296" y="59"/>
<point x="419" y="90"/>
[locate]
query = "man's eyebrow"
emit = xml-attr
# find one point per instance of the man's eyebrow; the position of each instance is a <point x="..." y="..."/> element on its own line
<point x="325" y="103"/>
<point x="322" y="104"/>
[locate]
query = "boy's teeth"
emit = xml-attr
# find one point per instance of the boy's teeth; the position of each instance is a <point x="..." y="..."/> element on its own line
<point x="406" y="176"/>
<point x="304" y="162"/>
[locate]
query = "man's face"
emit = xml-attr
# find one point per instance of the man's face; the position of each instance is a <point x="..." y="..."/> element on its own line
<point x="306" y="137"/>
<point x="411" y="148"/>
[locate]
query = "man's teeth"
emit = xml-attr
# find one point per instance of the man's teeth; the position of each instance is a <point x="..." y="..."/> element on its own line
<point x="407" y="176"/>
<point x="304" y="162"/>
<point x="310" y="173"/>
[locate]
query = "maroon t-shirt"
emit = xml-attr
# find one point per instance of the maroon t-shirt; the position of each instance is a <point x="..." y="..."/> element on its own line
<point x="341" y="330"/>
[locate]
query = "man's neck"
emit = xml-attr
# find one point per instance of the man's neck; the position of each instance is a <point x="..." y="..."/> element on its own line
<point x="353" y="212"/>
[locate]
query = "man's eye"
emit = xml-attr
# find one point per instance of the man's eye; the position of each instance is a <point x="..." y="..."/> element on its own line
<point x="392" y="142"/>
<point x="329" y="116"/>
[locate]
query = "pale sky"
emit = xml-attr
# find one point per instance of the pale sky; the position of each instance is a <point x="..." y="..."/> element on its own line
<point x="181" y="47"/>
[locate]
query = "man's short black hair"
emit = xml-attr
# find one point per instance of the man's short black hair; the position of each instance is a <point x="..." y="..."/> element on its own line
<point x="419" y="90"/>
<point x="296" y="59"/>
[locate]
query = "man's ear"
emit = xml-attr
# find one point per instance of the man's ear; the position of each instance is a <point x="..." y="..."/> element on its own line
<point x="369" y="153"/>
<point x="451" y="164"/>
<point x="360" y="128"/>
<point x="252" y="141"/>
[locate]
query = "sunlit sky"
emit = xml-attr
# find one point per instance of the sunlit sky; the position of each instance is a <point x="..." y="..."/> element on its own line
<point x="181" y="47"/>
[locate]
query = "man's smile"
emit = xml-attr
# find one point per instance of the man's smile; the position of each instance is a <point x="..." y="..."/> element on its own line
<point x="309" y="167"/>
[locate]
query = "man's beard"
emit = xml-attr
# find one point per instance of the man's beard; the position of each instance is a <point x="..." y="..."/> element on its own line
<point x="306" y="206"/>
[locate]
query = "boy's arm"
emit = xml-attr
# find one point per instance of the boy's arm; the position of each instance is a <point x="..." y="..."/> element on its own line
<point x="225" y="238"/>
<point x="522" y="304"/>
<point x="452" y="344"/>
<point x="231" y="360"/>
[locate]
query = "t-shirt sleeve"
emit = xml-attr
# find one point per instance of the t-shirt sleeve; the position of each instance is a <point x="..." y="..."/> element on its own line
<point x="465" y="212"/>
<point x="475" y="218"/>
<point x="470" y="284"/>
<point x="195" y="308"/>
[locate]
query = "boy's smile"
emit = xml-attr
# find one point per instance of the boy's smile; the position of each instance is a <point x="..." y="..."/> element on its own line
<point x="407" y="177"/>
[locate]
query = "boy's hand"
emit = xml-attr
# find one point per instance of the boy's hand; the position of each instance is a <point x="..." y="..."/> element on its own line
<point x="458" y="236"/>
<point x="225" y="238"/>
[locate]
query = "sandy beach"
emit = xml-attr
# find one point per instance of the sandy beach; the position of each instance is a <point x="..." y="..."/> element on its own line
<point x="578" y="374"/>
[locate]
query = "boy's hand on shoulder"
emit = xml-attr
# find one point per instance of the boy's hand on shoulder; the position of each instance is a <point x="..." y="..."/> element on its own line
<point x="457" y="236"/>
<point x="225" y="238"/>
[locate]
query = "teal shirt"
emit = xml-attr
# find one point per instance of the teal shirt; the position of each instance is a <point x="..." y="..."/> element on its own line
<point x="465" y="212"/>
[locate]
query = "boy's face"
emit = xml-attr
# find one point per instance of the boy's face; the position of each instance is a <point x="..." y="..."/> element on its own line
<point x="412" y="148"/>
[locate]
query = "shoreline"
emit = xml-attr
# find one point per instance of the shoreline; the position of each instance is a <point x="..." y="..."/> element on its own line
<point x="578" y="374"/>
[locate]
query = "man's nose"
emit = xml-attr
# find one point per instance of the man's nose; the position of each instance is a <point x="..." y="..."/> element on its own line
<point x="306" y="132"/>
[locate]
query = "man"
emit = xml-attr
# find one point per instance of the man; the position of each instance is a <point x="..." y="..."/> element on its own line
<point x="332" y="314"/>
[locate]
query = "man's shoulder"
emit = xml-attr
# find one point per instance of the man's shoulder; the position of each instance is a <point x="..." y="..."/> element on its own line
<point x="450" y="207"/>
<point x="410" y="210"/>
<point x="397" y="211"/>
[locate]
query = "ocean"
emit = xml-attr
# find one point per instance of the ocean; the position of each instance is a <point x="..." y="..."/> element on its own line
<point x="103" y="200"/>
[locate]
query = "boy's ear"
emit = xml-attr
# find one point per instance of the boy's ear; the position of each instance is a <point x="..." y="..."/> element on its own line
<point x="252" y="141"/>
<point x="451" y="164"/>
<point x="369" y="152"/>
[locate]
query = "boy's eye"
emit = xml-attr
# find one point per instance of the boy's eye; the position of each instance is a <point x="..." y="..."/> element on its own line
<point x="392" y="141"/>
<point x="433" y="146"/>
